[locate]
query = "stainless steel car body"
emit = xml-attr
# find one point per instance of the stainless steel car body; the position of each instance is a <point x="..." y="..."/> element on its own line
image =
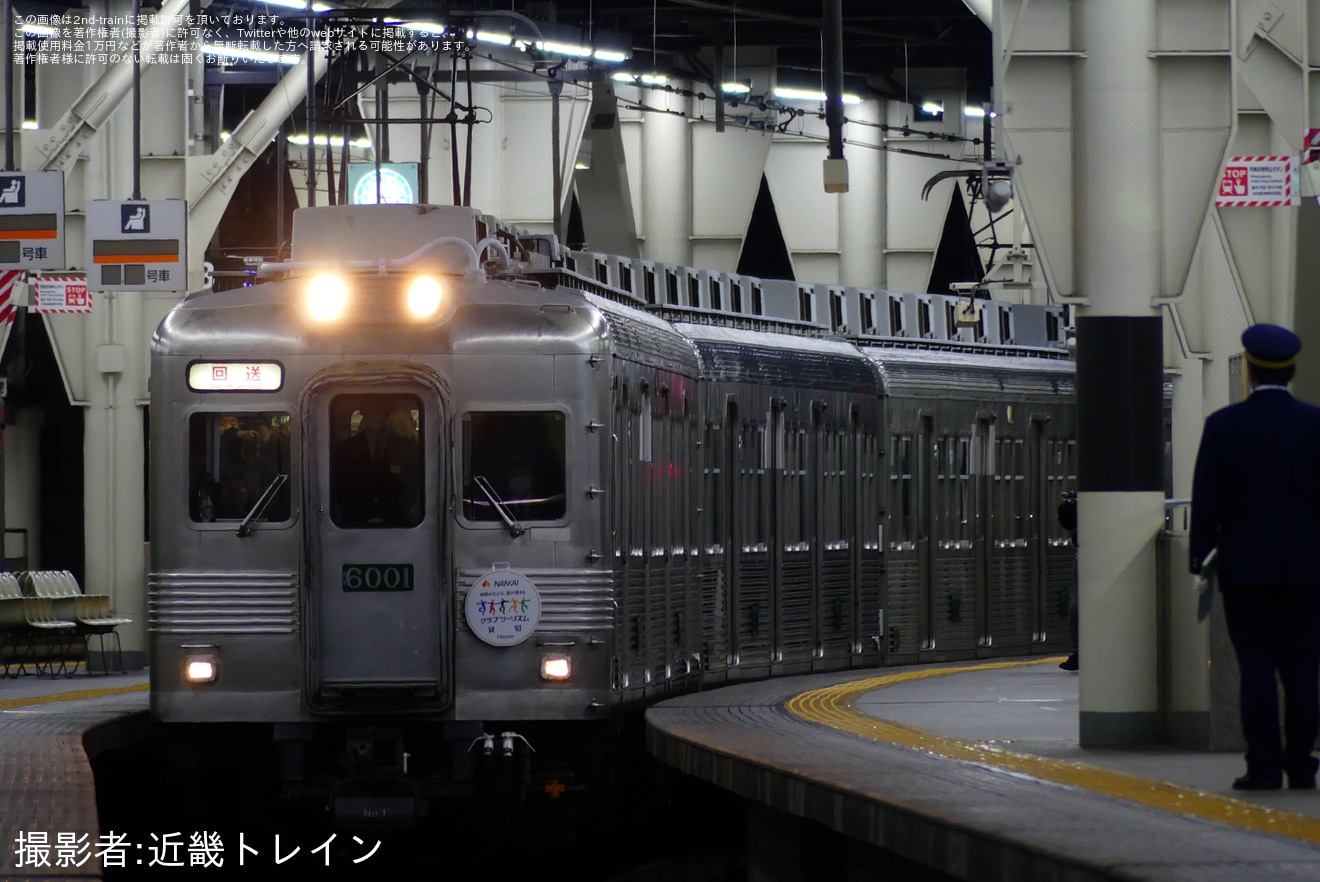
<point x="742" y="497"/>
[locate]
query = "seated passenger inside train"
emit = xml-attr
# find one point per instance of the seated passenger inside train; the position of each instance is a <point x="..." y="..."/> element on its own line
<point x="232" y="459"/>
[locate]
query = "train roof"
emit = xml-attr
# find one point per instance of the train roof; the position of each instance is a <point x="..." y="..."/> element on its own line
<point x="950" y="374"/>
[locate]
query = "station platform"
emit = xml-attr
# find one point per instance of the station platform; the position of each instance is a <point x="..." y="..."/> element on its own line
<point x="50" y="729"/>
<point x="974" y="771"/>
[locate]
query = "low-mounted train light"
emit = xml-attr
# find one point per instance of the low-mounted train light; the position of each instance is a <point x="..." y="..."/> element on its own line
<point x="327" y="295"/>
<point x="424" y="297"/>
<point x="200" y="669"/>
<point x="556" y="667"/>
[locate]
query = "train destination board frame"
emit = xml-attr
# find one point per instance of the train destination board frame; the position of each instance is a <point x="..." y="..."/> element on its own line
<point x="137" y="245"/>
<point x="32" y="220"/>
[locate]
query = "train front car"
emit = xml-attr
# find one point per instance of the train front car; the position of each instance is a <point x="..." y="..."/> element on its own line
<point x="373" y="540"/>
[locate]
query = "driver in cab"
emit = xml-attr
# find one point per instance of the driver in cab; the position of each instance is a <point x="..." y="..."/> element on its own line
<point x="375" y="478"/>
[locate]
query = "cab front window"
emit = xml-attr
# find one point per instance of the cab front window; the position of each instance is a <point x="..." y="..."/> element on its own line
<point x="521" y="457"/>
<point x="232" y="458"/>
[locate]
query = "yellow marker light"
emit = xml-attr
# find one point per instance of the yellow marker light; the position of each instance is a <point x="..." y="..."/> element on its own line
<point x="326" y="297"/>
<point x="199" y="670"/>
<point x="424" y="296"/>
<point x="556" y="668"/>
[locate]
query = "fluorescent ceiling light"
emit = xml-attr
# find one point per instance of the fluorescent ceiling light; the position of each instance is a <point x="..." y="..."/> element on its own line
<point x="226" y="51"/>
<point x="645" y="79"/>
<point x="569" y="49"/>
<point x="37" y="30"/>
<point x="789" y="94"/>
<point x="492" y="37"/>
<point x="737" y="88"/>
<point x="30" y="124"/>
<point x="934" y="108"/>
<point x="609" y="56"/>
<point x="580" y="165"/>
<point x="301" y="141"/>
<point x="977" y="112"/>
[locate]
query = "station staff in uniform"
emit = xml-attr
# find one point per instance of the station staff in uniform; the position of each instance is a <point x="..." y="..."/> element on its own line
<point x="1256" y="499"/>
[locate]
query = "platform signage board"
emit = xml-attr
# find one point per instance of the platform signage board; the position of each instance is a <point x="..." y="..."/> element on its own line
<point x="32" y="220"/>
<point x="1258" y="182"/>
<point x="137" y="246"/>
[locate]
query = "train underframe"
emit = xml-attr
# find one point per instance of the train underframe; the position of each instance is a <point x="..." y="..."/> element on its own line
<point x="401" y="773"/>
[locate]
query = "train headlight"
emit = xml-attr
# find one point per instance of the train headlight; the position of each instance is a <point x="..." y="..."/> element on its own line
<point x="556" y="667"/>
<point x="424" y="297"/>
<point x="327" y="296"/>
<point x="199" y="669"/>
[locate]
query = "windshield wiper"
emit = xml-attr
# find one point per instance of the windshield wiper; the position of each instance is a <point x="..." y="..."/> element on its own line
<point x="515" y="529"/>
<point x="263" y="501"/>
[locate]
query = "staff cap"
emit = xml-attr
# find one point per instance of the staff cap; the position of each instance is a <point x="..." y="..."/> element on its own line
<point x="1270" y="346"/>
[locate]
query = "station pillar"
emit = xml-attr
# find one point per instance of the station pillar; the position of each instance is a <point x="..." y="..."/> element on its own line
<point x="1119" y="369"/>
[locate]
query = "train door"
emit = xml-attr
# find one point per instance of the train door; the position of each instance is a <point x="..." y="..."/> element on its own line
<point x="978" y="455"/>
<point x="733" y="468"/>
<point x="871" y="640"/>
<point x="630" y="540"/>
<point x="377" y="590"/>
<point x="990" y="603"/>
<point x="925" y="514"/>
<point x="1041" y="532"/>
<point x="954" y="602"/>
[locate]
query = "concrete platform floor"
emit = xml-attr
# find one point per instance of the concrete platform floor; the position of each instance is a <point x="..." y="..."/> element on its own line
<point x="1033" y="709"/>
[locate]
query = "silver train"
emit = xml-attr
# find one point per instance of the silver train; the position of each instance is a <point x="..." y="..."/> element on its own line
<point x="438" y="491"/>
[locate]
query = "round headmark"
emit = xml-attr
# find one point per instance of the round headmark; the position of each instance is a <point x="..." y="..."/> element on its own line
<point x="394" y="189"/>
<point x="503" y="607"/>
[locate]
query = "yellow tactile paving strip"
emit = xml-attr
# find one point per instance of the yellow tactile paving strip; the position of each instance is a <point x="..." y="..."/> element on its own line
<point x="10" y="703"/>
<point x="833" y="706"/>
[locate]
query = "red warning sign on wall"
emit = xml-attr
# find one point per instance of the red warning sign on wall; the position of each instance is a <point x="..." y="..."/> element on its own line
<point x="1258" y="182"/>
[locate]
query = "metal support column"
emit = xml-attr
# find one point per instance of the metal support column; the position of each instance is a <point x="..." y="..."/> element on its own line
<point x="1119" y="369"/>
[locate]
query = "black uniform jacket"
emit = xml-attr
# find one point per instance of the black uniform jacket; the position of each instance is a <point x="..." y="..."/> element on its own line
<point x="1256" y="492"/>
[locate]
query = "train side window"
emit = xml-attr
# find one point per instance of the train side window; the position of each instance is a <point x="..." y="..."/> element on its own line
<point x="232" y="458"/>
<point x="900" y="474"/>
<point x="524" y="457"/>
<point x="646" y="432"/>
<point x="377" y="473"/>
<point x="966" y="511"/>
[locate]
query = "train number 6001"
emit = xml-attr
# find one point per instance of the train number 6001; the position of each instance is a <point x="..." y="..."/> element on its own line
<point x="378" y="577"/>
